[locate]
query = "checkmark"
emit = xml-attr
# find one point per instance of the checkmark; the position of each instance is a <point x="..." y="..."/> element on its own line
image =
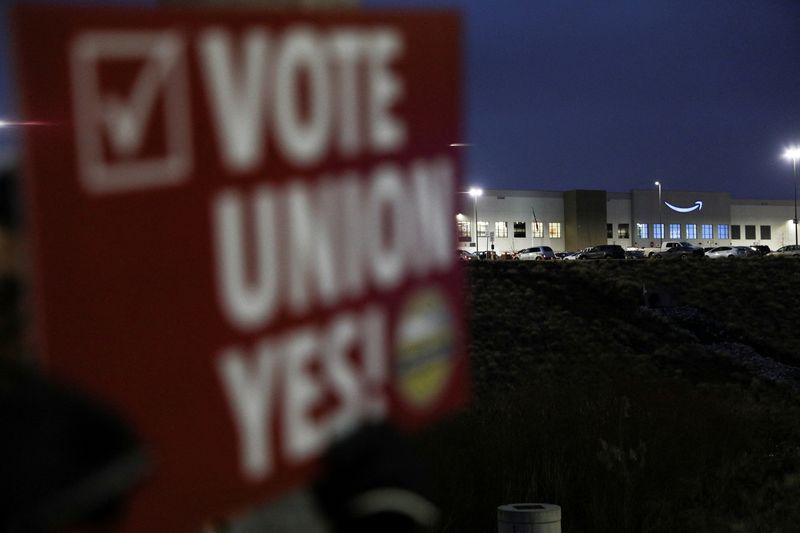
<point x="126" y="121"/>
<point x="112" y="126"/>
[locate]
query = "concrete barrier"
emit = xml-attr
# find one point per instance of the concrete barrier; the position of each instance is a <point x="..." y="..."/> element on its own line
<point x="529" y="518"/>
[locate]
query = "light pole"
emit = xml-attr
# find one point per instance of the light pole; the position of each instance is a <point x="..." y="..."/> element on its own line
<point x="660" y="222"/>
<point x="475" y="192"/>
<point x="793" y="154"/>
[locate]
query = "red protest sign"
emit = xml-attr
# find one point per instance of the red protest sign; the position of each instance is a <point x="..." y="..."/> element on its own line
<point x="242" y="233"/>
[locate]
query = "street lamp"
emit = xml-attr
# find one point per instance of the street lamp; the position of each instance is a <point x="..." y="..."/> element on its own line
<point x="660" y="222"/>
<point x="475" y="192"/>
<point x="793" y="154"/>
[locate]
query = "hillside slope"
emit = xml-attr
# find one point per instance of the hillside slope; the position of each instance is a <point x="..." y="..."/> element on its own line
<point x="639" y="395"/>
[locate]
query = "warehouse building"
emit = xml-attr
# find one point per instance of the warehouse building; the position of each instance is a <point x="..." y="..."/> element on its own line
<point x="510" y="220"/>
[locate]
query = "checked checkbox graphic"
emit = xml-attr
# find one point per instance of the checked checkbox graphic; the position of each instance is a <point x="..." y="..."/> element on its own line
<point x="134" y="134"/>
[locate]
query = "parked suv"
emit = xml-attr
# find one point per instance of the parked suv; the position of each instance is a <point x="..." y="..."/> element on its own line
<point x="603" y="251"/>
<point x="681" y="252"/>
<point x="791" y="249"/>
<point x="730" y="251"/>
<point x="536" y="253"/>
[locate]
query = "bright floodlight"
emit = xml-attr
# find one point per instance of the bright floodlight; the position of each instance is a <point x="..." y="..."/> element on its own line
<point x="475" y="191"/>
<point x="4" y="123"/>
<point x="657" y="184"/>
<point x="792" y="153"/>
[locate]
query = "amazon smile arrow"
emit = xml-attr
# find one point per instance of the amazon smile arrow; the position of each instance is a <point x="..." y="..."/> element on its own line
<point x="698" y="205"/>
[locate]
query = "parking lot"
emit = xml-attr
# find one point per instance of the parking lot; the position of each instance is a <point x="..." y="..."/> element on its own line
<point x="612" y="251"/>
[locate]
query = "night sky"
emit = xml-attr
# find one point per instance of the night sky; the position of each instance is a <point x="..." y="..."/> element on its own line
<point x="702" y="95"/>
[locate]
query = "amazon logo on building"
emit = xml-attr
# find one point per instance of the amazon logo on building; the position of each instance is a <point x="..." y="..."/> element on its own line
<point x="698" y="205"/>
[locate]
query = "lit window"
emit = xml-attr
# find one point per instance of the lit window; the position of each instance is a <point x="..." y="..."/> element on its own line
<point x="641" y="229"/>
<point x="658" y="231"/>
<point x="707" y="231"/>
<point x="519" y="229"/>
<point x="766" y="233"/>
<point x="501" y="229"/>
<point x="736" y="231"/>
<point x="691" y="231"/>
<point x="464" y="229"/>
<point x="750" y="233"/>
<point x="674" y="231"/>
<point x="623" y="231"/>
<point x="483" y="228"/>
<point x="722" y="232"/>
<point x="538" y="230"/>
<point x="554" y="230"/>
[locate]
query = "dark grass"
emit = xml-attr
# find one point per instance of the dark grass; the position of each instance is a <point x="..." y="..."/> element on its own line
<point x="628" y="420"/>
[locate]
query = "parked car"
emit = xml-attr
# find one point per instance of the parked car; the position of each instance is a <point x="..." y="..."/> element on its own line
<point x="680" y="252"/>
<point x="572" y="256"/>
<point x="652" y="250"/>
<point x="634" y="253"/>
<point x="603" y="251"/>
<point x="761" y="249"/>
<point x="536" y="253"/>
<point x="487" y="255"/>
<point x="562" y="255"/>
<point x="791" y="249"/>
<point x="729" y="251"/>
<point x="464" y="255"/>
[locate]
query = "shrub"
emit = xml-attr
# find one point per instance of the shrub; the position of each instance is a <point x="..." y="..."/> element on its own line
<point x="624" y="416"/>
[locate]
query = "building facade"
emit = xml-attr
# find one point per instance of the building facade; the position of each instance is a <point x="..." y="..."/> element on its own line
<point x="510" y="220"/>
